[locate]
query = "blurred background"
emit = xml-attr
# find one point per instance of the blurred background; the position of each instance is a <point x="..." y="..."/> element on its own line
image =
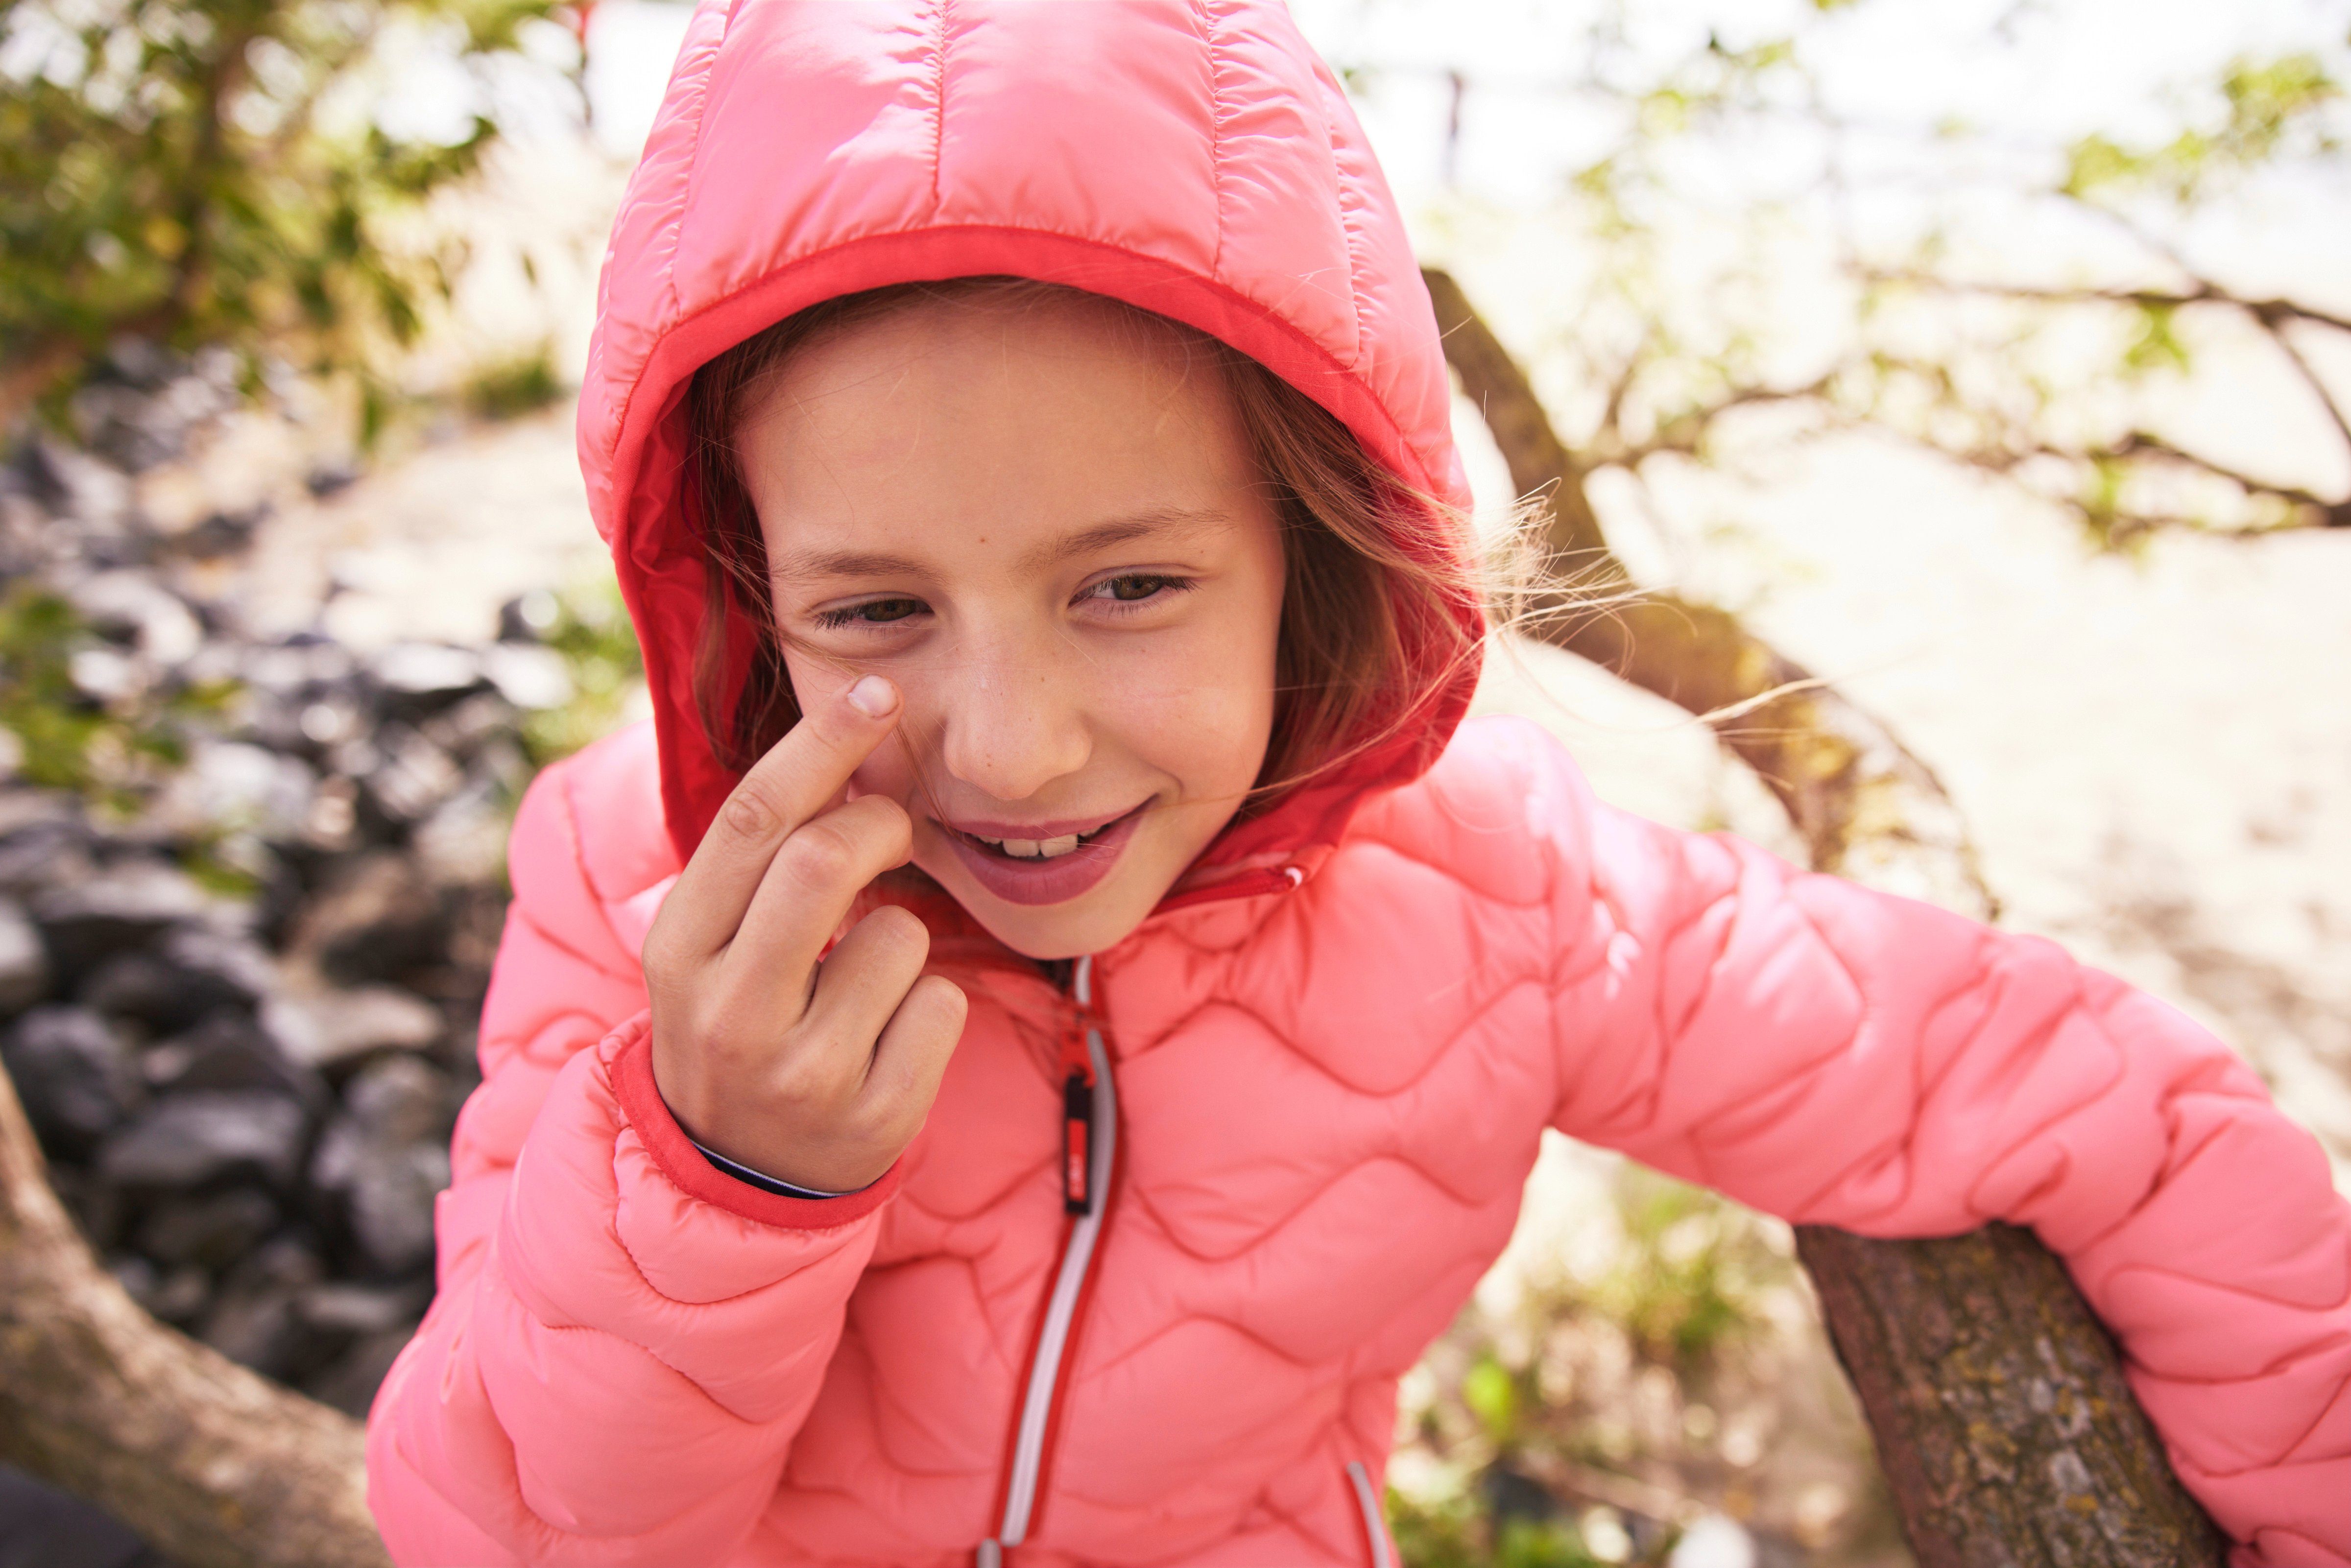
<point x="1989" y="359"/>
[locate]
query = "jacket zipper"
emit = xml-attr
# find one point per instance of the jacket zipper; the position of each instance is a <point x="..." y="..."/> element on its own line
<point x="1089" y="1150"/>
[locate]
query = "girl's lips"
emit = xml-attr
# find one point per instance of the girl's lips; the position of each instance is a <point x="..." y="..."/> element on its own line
<point x="1042" y="881"/>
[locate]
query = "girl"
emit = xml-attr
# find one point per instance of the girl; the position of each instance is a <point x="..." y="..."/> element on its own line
<point x="1056" y="1012"/>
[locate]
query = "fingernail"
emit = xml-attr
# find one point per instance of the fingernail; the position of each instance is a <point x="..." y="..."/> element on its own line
<point x="874" y="696"/>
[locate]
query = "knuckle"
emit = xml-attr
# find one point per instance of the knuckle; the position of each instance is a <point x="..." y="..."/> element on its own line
<point x="750" y="813"/>
<point x="817" y="855"/>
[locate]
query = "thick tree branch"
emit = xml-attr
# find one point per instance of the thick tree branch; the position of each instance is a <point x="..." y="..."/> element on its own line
<point x="1996" y="1398"/>
<point x="214" y="1464"/>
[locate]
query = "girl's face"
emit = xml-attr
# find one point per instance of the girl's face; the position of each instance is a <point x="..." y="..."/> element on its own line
<point x="1049" y="531"/>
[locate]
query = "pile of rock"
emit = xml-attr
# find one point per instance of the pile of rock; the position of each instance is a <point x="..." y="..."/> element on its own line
<point x="241" y="1017"/>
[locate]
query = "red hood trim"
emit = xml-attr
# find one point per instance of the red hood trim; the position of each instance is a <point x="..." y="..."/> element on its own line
<point x="660" y="564"/>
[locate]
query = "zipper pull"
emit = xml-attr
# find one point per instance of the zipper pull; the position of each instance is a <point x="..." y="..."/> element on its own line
<point x="1077" y="1144"/>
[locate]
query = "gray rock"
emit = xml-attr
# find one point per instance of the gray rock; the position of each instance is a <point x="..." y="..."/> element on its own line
<point x="203" y="1135"/>
<point x="386" y="1156"/>
<point x="231" y="1050"/>
<point x="177" y="1297"/>
<point x="211" y="1231"/>
<point x="341" y="1307"/>
<point x="427" y="670"/>
<point x="378" y="918"/>
<point x="528" y="675"/>
<point x="230" y="785"/>
<point x="253" y="1318"/>
<point x="24" y="962"/>
<point x="350" y="1383"/>
<point x="321" y="1027"/>
<point x="130" y="605"/>
<point x="187" y="977"/>
<point x="118" y="907"/>
<point x="77" y="1078"/>
<point x="412" y="777"/>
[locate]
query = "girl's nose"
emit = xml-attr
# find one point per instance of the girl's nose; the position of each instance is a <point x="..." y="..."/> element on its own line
<point x="1008" y="728"/>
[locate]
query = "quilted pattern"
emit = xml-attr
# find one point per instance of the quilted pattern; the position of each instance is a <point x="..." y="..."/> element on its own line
<point x="1331" y="1092"/>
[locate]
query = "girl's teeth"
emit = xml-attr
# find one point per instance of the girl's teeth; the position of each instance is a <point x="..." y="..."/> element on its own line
<point x="1035" y="848"/>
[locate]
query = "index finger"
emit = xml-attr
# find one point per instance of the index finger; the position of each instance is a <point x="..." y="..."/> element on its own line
<point x="799" y="774"/>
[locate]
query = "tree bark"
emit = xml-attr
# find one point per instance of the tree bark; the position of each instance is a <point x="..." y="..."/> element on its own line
<point x="1995" y="1397"/>
<point x="2002" y="1422"/>
<point x="213" y="1464"/>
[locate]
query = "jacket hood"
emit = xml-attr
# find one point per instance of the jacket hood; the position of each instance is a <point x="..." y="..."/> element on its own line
<point x="1189" y="157"/>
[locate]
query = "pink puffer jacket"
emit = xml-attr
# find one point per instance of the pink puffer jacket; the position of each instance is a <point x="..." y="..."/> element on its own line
<point x="1322" y="1065"/>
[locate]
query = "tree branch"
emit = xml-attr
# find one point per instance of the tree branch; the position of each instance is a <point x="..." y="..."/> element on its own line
<point x="1860" y="799"/>
<point x="2269" y="311"/>
<point x="214" y="1464"/>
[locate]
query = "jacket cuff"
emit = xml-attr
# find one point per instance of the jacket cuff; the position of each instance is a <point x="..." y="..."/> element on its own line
<point x="688" y="1169"/>
<point x="761" y="1179"/>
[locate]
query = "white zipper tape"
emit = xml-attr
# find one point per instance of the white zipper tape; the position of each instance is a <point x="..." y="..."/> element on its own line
<point x="1061" y="1307"/>
<point x="1374" y="1524"/>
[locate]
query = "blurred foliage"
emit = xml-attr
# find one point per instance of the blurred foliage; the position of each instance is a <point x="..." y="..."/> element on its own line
<point x="1684" y="1284"/>
<point x="520" y="384"/>
<point x="2048" y="357"/>
<point x="223" y="172"/>
<point x="1594" y="1418"/>
<point x="589" y="627"/>
<point x="108" y="752"/>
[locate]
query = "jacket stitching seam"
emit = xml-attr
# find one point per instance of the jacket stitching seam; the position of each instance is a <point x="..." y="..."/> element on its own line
<point x="1204" y="15"/>
<point x="939" y="116"/>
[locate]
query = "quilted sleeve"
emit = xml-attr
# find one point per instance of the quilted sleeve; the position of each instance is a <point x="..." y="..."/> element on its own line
<point x="624" y="1340"/>
<point x="1839" y="1056"/>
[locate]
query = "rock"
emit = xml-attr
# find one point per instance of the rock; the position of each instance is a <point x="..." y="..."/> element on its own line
<point x="117" y="907"/>
<point x="78" y="1080"/>
<point x="340" y="1307"/>
<point x="129" y="606"/>
<point x="230" y="787"/>
<point x="528" y="675"/>
<point x="192" y="974"/>
<point x="24" y="962"/>
<point x="211" y="1231"/>
<point x="529" y="618"/>
<point x="177" y="1297"/>
<point x="387" y="1157"/>
<point x="203" y="1135"/>
<point x="231" y="1050"/>
<point x="464" y="842"/>
<point x="427" y="670"/>
<point x="350" y="1383"/>
<point x="378" y="918"/>
<point x="253" y="1317"/>
<point x="411" y="777"/>
<point x="321" y="1027"/>
<point x="42" y="851"/>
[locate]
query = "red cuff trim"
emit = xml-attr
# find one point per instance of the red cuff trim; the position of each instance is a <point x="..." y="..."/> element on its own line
<point x="673" y="1152"/>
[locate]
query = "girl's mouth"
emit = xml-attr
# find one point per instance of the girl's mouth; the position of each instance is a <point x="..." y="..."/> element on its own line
<point x="1051" y="867"/>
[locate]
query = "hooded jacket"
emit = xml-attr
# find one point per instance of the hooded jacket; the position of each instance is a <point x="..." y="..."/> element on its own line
<point x="1305" y="1091"/>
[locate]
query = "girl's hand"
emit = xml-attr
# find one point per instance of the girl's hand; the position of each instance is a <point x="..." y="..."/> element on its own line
<point x="817" y="1075"/>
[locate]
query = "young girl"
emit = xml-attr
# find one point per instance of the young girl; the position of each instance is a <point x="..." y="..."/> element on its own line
<point x="1056" y="1012"/>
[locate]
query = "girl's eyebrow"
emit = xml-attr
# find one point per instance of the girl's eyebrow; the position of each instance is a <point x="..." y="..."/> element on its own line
<point x="1158" y="522"/>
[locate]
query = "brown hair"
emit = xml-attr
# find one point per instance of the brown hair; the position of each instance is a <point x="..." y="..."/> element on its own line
<point x="1375" y="573"/>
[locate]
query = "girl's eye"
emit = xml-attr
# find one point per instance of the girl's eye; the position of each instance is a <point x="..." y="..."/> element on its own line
<point x="873" y="613"/>
<point x="1136" y="587"/>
